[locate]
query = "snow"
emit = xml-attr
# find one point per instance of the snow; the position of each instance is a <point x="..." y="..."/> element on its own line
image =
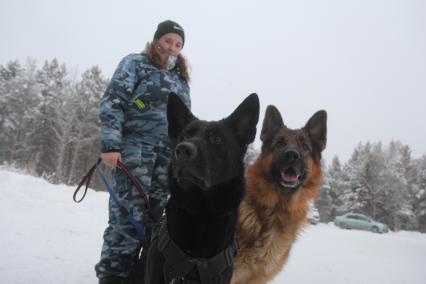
<point x="47" y="238"/>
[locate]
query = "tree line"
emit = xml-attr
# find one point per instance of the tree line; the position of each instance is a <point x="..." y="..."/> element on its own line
<point x="49" y="126"/>
<point x="49" y="123"/>
<point x="383" y="182"/>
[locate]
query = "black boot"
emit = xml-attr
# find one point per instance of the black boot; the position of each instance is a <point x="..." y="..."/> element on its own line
<point x="113" y="280"/>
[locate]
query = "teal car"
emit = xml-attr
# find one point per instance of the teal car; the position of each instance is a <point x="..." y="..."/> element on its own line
<point x="360" y="222"/>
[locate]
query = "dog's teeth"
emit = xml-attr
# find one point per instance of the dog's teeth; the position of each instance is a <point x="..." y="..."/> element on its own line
<point x="289" y="178"/>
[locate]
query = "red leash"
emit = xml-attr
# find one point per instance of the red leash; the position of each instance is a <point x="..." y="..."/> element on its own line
<point x="84" y="181"/>
<point x="88" y="177"/>
<point x="134" y="181"/>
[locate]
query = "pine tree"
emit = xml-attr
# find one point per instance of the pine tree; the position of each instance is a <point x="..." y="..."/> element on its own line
<point x="419" y="193"/>
<point x="9" y="106"/>
<point x="45" y="130"/>
<point x="365" y="192"/>
<point x="373" y="193"/>
<point x="324" y="202"/>
<point x="18" y="97"/>
<point x="398" y="208"/>
<point x="379" y="184"/>
<point x="85" y="137"/>
<point x="350" y="199"/>
<point x="338" y="183"/>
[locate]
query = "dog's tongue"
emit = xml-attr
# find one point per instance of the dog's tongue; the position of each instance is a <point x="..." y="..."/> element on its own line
<point x="289" y="177"/>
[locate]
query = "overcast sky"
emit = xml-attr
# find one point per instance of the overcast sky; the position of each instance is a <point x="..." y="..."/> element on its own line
<point x="363" y="61"/>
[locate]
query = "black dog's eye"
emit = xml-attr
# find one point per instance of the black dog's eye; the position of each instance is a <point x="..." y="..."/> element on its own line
<point x="216" y="139"/>
<point x="181" y="137"/>
<point x="187" y="134"/>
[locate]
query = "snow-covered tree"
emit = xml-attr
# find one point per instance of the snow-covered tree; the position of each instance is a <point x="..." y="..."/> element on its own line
<point x="398" y="208"/>
<point x="10" y="95"/>
<point x="350" y="199"/>
<point x="379" y="183"/>
<point x="45" y="131"/>
<point x="84" y="136"/>
<point x="419" y="193"/>
<point x="48" y="124"/>
<point x="19" y="94"/>
<point x="324" y="202"/>
<point x="338" y="182"/>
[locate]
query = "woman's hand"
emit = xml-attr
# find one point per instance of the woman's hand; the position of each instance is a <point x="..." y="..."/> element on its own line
<point x="111" y="158"/>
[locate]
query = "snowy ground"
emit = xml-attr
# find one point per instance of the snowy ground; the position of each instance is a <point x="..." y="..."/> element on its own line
<point x="47" y="238"/>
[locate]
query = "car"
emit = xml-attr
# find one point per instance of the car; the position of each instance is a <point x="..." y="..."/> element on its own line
<point x="313" y="215"/>
<point x="360" y="222"/>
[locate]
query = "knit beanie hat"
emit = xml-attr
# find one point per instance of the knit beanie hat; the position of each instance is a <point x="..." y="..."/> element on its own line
<point x="169" y="27"/>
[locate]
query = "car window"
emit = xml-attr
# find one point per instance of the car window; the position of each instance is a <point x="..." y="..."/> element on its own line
<point x="366" y="218"/>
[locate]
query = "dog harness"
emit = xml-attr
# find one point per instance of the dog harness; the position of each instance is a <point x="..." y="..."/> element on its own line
<point x="178" y="264"/>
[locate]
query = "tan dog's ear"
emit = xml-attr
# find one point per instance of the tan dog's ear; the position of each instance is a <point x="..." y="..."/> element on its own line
<point x="316" y="127"/>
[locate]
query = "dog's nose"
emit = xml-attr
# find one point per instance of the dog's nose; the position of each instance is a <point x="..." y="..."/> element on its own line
<point x="291" y="155"/>
<point x="185" y="151"/>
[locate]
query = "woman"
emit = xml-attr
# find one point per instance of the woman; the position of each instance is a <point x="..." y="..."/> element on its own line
<point x="134" y="132"/>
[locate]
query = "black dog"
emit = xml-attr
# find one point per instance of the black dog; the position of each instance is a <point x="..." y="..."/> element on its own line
<point x="196" y="242"/>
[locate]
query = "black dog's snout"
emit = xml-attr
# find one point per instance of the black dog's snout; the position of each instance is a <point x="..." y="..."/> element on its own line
<point x="185" y="151"/>
<point x="291" y="156"/>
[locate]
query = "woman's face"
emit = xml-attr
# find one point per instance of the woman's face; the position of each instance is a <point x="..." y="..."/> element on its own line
<point x="170" y="44"/>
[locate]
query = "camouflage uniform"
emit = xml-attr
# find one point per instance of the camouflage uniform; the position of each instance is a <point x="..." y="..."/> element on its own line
<point x="134" y="121"/>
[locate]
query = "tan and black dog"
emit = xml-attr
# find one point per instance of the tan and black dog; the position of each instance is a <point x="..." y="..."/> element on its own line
<point x="279" y="185"/>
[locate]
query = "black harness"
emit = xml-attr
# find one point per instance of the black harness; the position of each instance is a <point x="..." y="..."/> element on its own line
<point x="178" y="264"/>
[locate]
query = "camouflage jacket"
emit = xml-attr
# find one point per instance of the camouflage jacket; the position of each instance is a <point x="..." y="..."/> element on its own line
<point x="134" y="106"/>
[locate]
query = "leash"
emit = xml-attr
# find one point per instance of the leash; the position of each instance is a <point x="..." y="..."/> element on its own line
<point x="86" y="181"/>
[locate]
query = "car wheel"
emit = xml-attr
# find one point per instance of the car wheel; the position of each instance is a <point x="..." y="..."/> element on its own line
<point x="375" y="230"/>
<point x="345" y="226"/>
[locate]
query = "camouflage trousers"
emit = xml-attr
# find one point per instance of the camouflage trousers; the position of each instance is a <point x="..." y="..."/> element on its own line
<point x="121" y="244"/>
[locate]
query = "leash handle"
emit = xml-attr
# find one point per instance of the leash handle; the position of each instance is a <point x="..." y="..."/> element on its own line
<point x="88" y="177"/>
<point x="84" y="181"/>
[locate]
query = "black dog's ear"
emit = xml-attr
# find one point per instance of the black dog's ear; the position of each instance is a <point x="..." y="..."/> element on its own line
<point x="271" y="124"/>
<point x="244" y="119"/>
<point x="178" y="115"/>
<point x="316" y="127"/>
